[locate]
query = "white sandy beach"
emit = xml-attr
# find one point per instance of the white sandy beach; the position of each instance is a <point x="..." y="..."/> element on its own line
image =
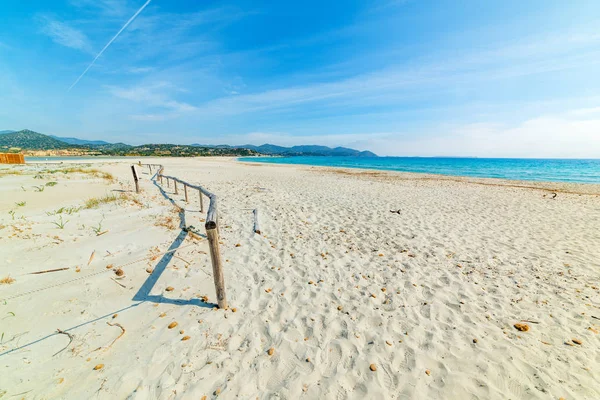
<point x="335" y="284"/>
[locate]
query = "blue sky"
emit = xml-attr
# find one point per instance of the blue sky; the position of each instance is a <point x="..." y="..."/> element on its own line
<point x="398" y="77"/>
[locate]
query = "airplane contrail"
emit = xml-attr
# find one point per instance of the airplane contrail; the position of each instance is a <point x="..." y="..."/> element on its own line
<point x="109" y="43"/>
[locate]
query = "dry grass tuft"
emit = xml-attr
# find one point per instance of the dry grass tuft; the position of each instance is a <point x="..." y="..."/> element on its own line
<point x="7" y="280"/>
<point x="95" y="202"/>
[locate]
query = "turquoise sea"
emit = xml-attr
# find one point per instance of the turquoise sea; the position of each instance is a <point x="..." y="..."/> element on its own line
<point x="552" y="170"/>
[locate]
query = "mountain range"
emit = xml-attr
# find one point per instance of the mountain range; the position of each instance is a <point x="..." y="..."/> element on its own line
<point x="34" y="141"/>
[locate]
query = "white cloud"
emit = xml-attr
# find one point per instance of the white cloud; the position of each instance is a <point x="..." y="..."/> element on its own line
<point x="152" y="95"/>
<point x="543" y="137"/>
<point x="64" y="34"/>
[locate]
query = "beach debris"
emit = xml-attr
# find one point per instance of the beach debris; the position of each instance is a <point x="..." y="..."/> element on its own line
<point x="169" y="289"/>
<point x="234" y="309"/>
<point x="61" y="332"/>
<point x="340" y="308"/>
<point x="577" y="341"/>
<point x="7" y="280"/>
<point x="395" y="211"/>
<point x="183" y="339"/>
<point x="475" y="340"/>
<point x="521" y="327"/>
<point x="428" y="372"/>
<point x="162" y="315"/>
<point x="311" y="282"/>
<point x="118" y="337"/>
<point x="172" y="325"/>
<point x="307" y="359"/>
<point x="77" y="269"/>
<point x="48" y="270"/>
<point x="373" y="295"/>
<point x="91" y="257"/>
<point x="373" y="367"/>
<point x="388" y="342"/>
<point x="238" y="245"/>
<point x="268" y="290"/>
<point x="98" y="367"/>
<point x="118" y="283"/>
<point x="119" y="272"/>
<point x="181" y="332"/>
<point x="383" y="289"/>
<point x="115" y="316"/>
<point x="218" y="391"/>
<point x="149" y="270"/>
<point x="271" y="351"/>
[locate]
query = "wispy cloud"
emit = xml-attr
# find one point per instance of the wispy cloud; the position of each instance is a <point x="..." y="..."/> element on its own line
<point x="110" y="42"/>
<point x="157" y="94"/>
<point x="63" y="34"/>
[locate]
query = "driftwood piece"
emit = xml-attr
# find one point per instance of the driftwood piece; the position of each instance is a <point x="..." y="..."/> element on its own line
<point x="48" y="270"/>
<point x="118" y="337"/>
<point x="256" y="226"/>
<point x="61" y="332"/>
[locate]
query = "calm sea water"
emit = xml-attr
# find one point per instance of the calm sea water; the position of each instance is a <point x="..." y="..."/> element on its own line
<point x="554" y="170"/>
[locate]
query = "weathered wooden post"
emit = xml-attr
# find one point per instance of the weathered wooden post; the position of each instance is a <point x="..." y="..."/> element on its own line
<point x="150" y="169"/>
<point x="185" y="190"/>
<point x="201" y="201"/>
<point x="176" y="192"/>
<point x="212" y="232"/>
<point x="256" y="227"/>
<point x="168" y="182"/>
<point x="135" y="178"/>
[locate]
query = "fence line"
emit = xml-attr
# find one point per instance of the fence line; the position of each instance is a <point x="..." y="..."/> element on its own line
<point x="211" y="226"/>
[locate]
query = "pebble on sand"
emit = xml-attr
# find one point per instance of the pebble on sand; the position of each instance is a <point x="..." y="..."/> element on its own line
<point x="428" y="372"/>
<point x="169" y="289"/>
<point x="521" y="327"/>
<point x="373" y="367"/>
<point x="271" y="351"/>
<point x="99" y="366"/>
<point x="577" y="341"/>
<point x="172" y="325"/>
<point x="185" y="338"/>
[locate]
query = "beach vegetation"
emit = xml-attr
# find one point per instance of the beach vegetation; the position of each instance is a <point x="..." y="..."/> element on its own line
<point x="95" y="202"/>
<point x="60" y="223"/>
<point x="7" y="280"/>
<point x="51" y="183"/>
<point x="21" y="203"/>
<point x="39" y="188"/>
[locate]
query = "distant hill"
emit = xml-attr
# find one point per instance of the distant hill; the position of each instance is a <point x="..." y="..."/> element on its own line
<point x="71" y="140"/>
<point x="309" y="150"/>
<point x="33" y="141"/>
<point x="30" y="140"/>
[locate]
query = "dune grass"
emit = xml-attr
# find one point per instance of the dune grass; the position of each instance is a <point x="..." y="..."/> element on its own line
<point x="6" y="280"/>
<point x="95" y="202"/>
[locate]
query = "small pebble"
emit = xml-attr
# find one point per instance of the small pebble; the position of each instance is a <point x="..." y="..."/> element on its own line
<point x="185" y="338"/>
<point x="234" y="309"/>
<point x="271" y="351"/>
<point x="521" y="327"/>
<point x="373" y="367"/>
<point x="99" y="366"/>
<point x="474" y="340"/>
<point x="577" y="341"/>
<point x="172" y="325"/>
<point x="428" y="372"/>
<point x="169" y="289"/>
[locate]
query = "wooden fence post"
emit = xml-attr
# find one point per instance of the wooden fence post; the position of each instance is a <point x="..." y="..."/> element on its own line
<point x="176" y="192"/>
<point x="201" y="202"/>
<point x="256" y="227"/>
<point x="150" y="169"/>
<point x="185" y="190"/>
<point x="212" y="233"/>
<point x="168" y="182"/>
<point x="135" y="178"/>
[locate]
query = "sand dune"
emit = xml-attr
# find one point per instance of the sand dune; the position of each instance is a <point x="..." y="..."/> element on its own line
<point x="428" y="295"/>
